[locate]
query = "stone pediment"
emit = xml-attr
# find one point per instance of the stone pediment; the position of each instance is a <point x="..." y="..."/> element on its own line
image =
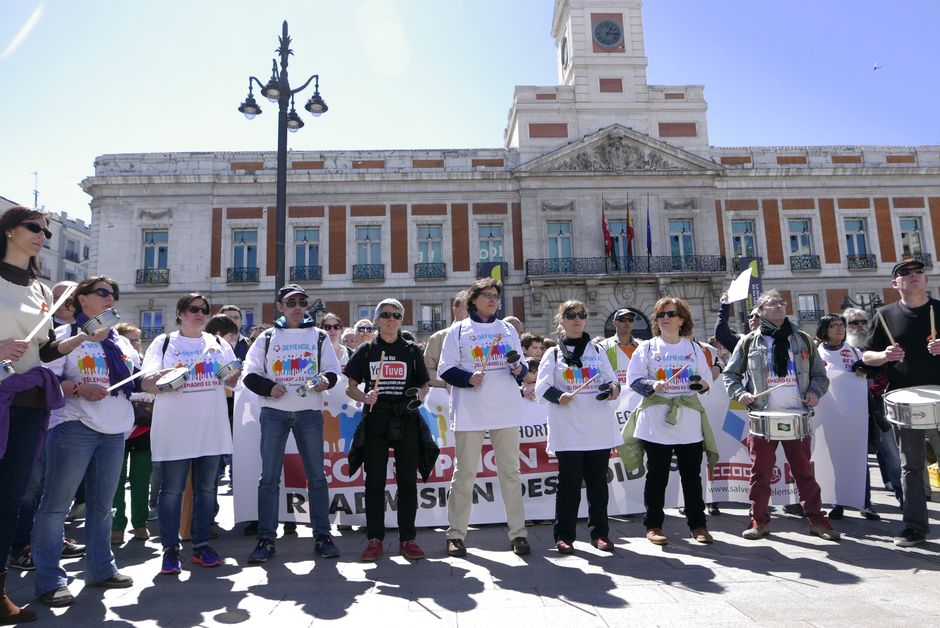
<point x="618" y="149"/>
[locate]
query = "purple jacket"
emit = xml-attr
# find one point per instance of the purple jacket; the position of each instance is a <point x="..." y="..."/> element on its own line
<point x="38" y="376"/>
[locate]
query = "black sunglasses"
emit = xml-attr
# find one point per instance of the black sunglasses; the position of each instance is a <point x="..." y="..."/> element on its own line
<point x="328" y="327"/>
<point x="196" y="309"/>
<point x="387" y="315"/>
<point x="904" y="272"/>
<point x="365" y="330"/>
<point x="624" y="318"/>
<point x="861" y="321"/>
<point x="753" y="316"/>
<point x="668" y="314"/>
<point x="573" y="315"/>
<point x="104" y="293"/>
<point x="296" y="303"/>
<point x="36" y="228"/>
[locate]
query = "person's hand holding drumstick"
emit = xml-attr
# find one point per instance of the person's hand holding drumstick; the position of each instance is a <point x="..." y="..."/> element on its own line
<point x="893" y="352"/>
<point x="933" y="343"/>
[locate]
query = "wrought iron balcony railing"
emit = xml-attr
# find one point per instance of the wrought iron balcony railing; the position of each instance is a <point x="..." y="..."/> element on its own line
<point x="636" y="264"/>
<point x="431" y="326"/>
<point x="804" y="262"/>
<point x="149" y="333"/>
<point x="368" y="272"/>
<point x="72" y="256"/>
<point x="857" y="262"/>
<point x="811" y="315"/>
<point x="152" y="276"/>
<point x="433" y="270"/>
<point x="306" y="273"/>
<point x="926" y="258"/>
<point x="245" y="274"/>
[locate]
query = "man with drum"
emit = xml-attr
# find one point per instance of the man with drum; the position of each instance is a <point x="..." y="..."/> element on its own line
<point x="777" y="367"/>
<point x="904" y="338"/>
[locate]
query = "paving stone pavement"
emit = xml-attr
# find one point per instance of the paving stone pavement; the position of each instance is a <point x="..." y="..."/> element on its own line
<point x="789" y="579"/>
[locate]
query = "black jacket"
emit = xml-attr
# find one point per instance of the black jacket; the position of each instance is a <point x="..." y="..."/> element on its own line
<point x="428" y="451"/>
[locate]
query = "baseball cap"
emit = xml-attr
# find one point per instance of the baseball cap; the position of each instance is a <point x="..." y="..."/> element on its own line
<point x="906" y="263"/>
<point x="290" y="290"/>
<point x="623" y="311"/>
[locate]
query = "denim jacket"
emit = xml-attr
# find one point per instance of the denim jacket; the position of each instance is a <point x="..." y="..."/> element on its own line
<point x="749" y="373"/>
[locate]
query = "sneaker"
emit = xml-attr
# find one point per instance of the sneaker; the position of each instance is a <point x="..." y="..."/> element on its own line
<point x="823" y="529"/>
<point x="117" y="537"/>
<point x="22" y="561"/>
<point x="172" y="563"/>
<point x="603" y="544"/>
<point x="837" y="512"/>
<point x="794" y="509"/>
<point x="456" y="548"/>
<point x="141" y="534"/>
<point x="564" y="547"/>
<point x="656" y="536"/>
<point x="411" y="550"/>
<point x="117" y="581"/>
<point x="520" y="546"/>
<point x="206" y="556"/>
<point x="57" y="597"/>
<point x="264" y="551"/>
<point x="702" y="535"/>
<point x="756" y="531"/>
<point x="325" y="547"/>
<point x="71" y="549"/>
<point x="909" y="538"/>
<point x="870" y="514"/>
<point x="713" y="509"/>
<point x="290" y="528"/>
<point x="373" y="550"/>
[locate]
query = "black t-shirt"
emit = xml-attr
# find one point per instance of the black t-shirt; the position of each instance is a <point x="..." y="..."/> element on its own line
<point x="402" y="368"/>
<point x="910" y="328"/>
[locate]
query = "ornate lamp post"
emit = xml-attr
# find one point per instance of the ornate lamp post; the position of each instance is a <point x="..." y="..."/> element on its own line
<point x="278" y="90"/>
<point x="870" y="305"/>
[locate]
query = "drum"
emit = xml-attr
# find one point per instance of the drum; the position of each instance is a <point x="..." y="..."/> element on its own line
<point x="6" y="369"/>
<point x="229" y="369"/>
<point x="108" y="318"/>
<point x="917" y="407"/>
<point x="173" y="380"/>
<point x="781" y="424"/>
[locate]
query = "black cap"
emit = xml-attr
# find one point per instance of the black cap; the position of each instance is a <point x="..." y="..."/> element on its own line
<point x="906" y="263"/>
<point x="290" y="290"/>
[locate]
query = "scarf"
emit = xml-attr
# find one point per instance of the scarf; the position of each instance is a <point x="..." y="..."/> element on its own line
<point x="573" y="358"/>
<point x="781" y="336"/>
<point x="114" y="358"/>
<point x="281" y="323"/>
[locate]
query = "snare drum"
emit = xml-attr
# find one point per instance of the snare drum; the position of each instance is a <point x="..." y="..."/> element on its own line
<point x="108" y="318"/>
<point x="172" y="380"/>
<point x="6" y="369"/>
<point x="780" y="424"/>
<point x="229" y="369"/>
<point x="917" y="407"/>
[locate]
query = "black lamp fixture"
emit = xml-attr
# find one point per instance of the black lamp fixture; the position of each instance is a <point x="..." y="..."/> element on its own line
<point x="869" y="305"/>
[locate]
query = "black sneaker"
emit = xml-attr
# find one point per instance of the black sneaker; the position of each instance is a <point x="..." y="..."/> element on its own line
<point x="909" y="538"/>
<point x="71" y="549"/>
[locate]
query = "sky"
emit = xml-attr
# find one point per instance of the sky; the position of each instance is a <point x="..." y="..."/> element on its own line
<point x="89" y="77"/>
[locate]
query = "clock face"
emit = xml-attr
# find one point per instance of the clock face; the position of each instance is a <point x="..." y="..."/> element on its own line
<point x="608" y="34"/>
<point x="564" y="52"/>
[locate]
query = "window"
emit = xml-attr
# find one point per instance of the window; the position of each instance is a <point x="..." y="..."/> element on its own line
<point x="248" y="321"/>
<point x="801" y="237"/>
<point x="856" y="237"/>
<point x="911" y="237"/>
<point x="156" y="248"/>
<point x="245" y="248"/>
<point x="365" y="312"/>
<point x="369" y="245"/>
<point x="85" y="252"/>
<point x="559" y="240"/>
<point x="430" y="244"/>
<point x="491" y="243"/>
<point x="151" y="324"/>
<point x="430" y="317"/>
<point x="71" y="250"/>
<point x="742" y="238"/>
<point x="680" y="238"/>
<point x="620" y="234"/>
<point x="307" y="246"/>
<point x="808" y="304"/>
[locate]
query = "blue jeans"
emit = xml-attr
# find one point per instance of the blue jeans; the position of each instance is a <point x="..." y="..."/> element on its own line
<point x="205" y="474"/>
<point x="28" y="505"/>
<point x="75" y="452"/>
<point x="889" y="459"/>
<point x="15" y="468"/>
<point x="307" y="426"/>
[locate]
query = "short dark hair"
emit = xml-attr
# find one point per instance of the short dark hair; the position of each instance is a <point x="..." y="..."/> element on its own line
<point x="822" y="327"/>
<point x="479" y="286"/>
<point x="220" y="325"/>
<point x="532" y="364"/>
<point x="230" y="308"/>
<point x="12" y="218"/>
<point x="87" y="286"/>
<point x="527" y="338"/>
<point x="184" y="302"/>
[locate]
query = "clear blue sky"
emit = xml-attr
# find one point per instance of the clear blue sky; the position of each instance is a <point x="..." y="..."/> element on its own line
<point x="104" y="76"/>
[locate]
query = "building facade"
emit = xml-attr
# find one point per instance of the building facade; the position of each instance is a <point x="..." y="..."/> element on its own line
<point x="824" y="223"/>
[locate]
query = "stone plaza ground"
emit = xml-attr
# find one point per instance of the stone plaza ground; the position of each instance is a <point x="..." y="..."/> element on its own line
<point x="789" y="579"/>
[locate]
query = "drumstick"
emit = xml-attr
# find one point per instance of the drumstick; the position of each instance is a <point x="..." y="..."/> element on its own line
<point x="584" y="385"/>
<point x="378" y="378"/>
<point x="486" y="356"/>
<point x="770" y="390"/>
<point x="677" y="373"/>
<point x="124" y="381"/>
<point x="888" y="331"/>
<point x="55" y="306"/>
<point x="933" y="325"/>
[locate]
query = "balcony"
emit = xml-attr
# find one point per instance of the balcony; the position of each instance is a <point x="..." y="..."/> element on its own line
<point x="72" y="256"/>
<point x="485" y="269"/>
<point x="306" y="273"/>
<point x="368" y="272"/>
<point x="431" y="326"/>
<point x="245" y="274"/>
<point x="861" y="262"/>
<point x="431" y="271"/>
<point x="811" y="315"/>
<point x="152" y="276"/>
<point x="804" y="262"/>
<point x="738" y="264"/>
<point x="926" y="258"/>
<point x="149" y="333"/>
<point x="641" y="265"/>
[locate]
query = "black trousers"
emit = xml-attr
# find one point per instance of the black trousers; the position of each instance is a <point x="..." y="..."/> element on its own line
<point x="573" y="468"/>
<point x="375" y="462"/>
<point x="658" y="462"/>
<point x="15" y="468"/>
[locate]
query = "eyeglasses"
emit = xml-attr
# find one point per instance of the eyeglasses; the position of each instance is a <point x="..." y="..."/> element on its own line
<point x="626" y="318"/>
<point x="668" y="314"/>
<point x="837" y="325"/>
<point x="328" y="327"/>
<point x="774" y="304"/>
<point x="104" y="293"/>
<point x="753" y="316"/>
<point x="492" y="296"/>
<point x="37" y="228"/>
<point x="573" y="315"/>
<point x="388" y="315"/>
<point x="365" y="330"/>
<point x="904" y="272"/>
<point x="861" y="321"/>
<point x="296" y="303"/>
<point x="195" y="309"/>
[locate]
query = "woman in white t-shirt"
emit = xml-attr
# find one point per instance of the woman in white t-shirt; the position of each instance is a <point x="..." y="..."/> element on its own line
<point x="582" y="428"/>
<point x="190" y="427"/>
<point x="667" y="371"/>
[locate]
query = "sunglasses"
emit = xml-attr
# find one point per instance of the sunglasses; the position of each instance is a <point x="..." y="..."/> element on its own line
<point x="668" y="314"/>
<point x="753" y="316"/>
<point x="196" y="309"/>
<point x="904" y="272"/>
<point x="859" y="322"/>
<point x="104" y="293"/>
<point x="365" y="330"/>
<point x="296" y="303"/>
<point x="36" y="228"/>
<point x="573" y="315"/>
<point x="626" y="318"/>
<point x="388" y="315"/>
<point x="328" y="327"/>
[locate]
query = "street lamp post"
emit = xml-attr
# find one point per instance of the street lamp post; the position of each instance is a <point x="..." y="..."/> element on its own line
<point x="870" y="306"/>
<point x="278" y="90"/>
